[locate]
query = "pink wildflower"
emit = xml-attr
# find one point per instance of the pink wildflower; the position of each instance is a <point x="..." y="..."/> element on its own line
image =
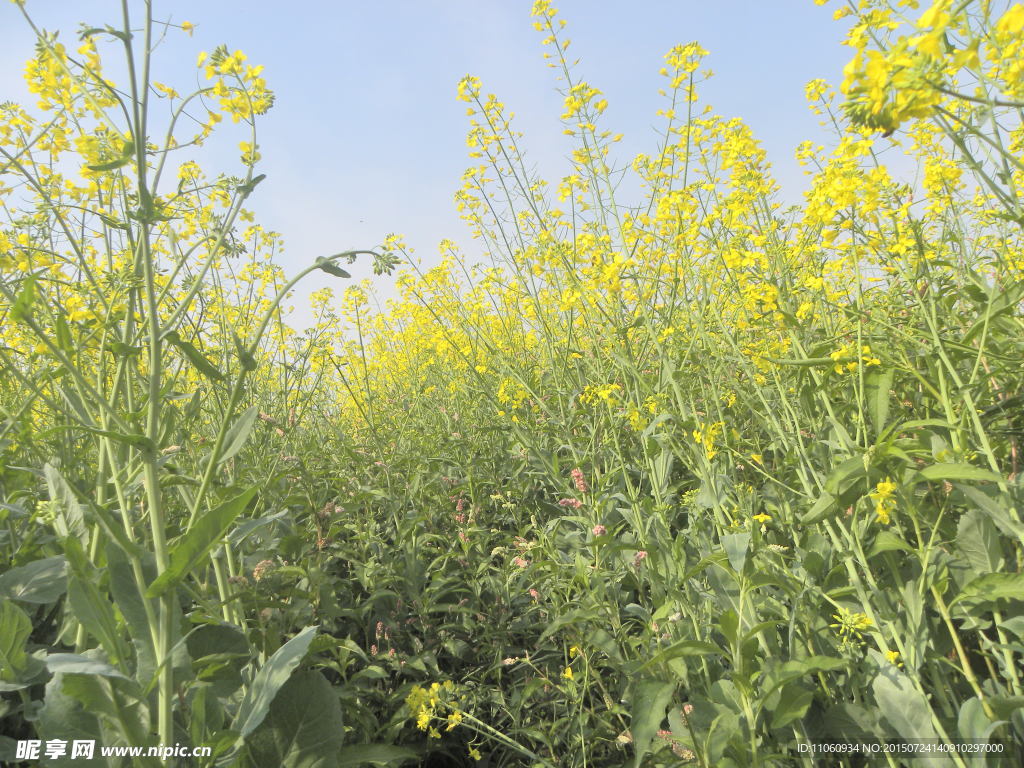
<point x="535" y="594"/>
<point x="574" y="503"/>
<point x="599" y="530"/>
<point x="639" y="557"/>
<point x="579" y="480"/>
<point x="519" y="561"/>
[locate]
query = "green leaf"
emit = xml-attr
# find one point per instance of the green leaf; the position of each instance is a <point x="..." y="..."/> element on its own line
<point x="303" y="728"/>
<point x="991" y="587"/>
<point x="204" y="366"/>
<point x="778" y="675"/>
<point x="331" y="268"/>
<point x="683" y="648"/>
<point x="840" y="478"/>
<point x="268" y="682"/>
<point x="906" y="708"/>
<point x="978" y="541"/>
<point x="190" y="550"/>
<point x="807" y="362"/>
<point x="877" y="384"/>
<point x="73" y="663"/>
<point x="650" y="701"/>
<point x="793" y="704"/>
<point x="238" y="433"/>
<point x="64" y="717"/>
<point x="126" y="595"/>
<point x="574" y="616"/>
<point x="356" y="755"/>
<point x="825" y="504"/>
<point x="22" y="306"/>
<point x="957" y="472"/>
<point x="887" y="541"/>
<point x="15" y="628"/>
<point x="95" y="612"/>
<point x="127" y="155"/>
<point x="736" y="546"/>
<point x="41" y="581"/>
<point x="70" y="520"/>
<point x="246" y="189"/>
<point x="121" y="349"/>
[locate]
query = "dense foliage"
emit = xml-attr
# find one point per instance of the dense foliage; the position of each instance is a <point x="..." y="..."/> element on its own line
<point x="683" y="479"/>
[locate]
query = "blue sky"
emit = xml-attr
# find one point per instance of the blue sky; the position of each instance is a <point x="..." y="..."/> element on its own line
<point x="367" y="137"/>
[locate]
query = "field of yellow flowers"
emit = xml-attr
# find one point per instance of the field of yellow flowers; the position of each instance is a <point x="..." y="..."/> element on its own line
<point x="683" y="479"/>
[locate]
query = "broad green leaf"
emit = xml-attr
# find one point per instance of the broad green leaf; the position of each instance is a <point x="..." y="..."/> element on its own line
<point x="64" y="717"/>
<point x="978" y="541"/>
<point x="729" y="623"/>
<point x="72" y="663"/>
<point x="887" y="541"/>
<point x="303" y="728"/>
<point x="238" y="433"/>
<point x="15" y="628"/>
<point x="997" y="510"/>
<point x="575" y="616"/>
<point x="957" y="472"/>
<point x="992" y="586"/>
<point x="877" y="383"/>
<point x="70" y="520"/>
<point x="268" y="682"/>
<point x="906" y="708"/>
<point x="650" y="701"/>
<point x="683" y="648"/>
<point x="116" y="701"/>
<point x="124" y="591"/>
<point x="193" y="547"/>
<point x="972" y="723"/>
<point x="359" y="755"/>
<point x="794" y="701"/>
<point x="41" y="581"/>
<point x="736" y="546"/>
<point x="839" y="478"/>
<point x="779" y="675"/>
<point x="96" y="613"/>
<point x="825" y="504"/>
